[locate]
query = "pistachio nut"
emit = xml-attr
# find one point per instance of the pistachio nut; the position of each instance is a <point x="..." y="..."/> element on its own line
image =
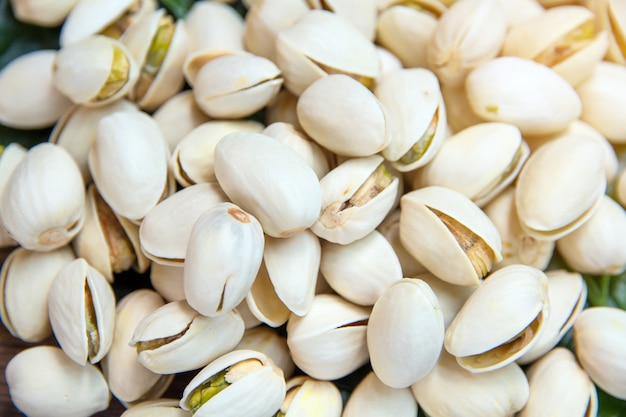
<point x="501" y="320"/>
<point x="450" y="297"/>
<point x="81" y="307"/>
<point x="501" y="392"/>
<point x="460" y="114"/>
<point x="175" y="338"/>
<point x="390" y="229"/>
<point x="356" y="196"/>
<point x="29" y="98"/>
<point x="283" y="109"/>
<point x="361" y="14"/>
<point x="178" y="116"/>
<point x="268" y="179"/>
<point x="128" y="163"/>
<point x="417" y="116"/>
<point x="516" y="11"/>
<point x="42" y="204"/>
<point x="449" y="234"/>
<point x="599" y="340"/>
<point x="268" y="341"/>
<point x="560" y="186"/>
<point x="362" y="270"/>
<point x="611" y="15"/>
<point x="250" y="321"/>
<point x="558" y="375"/>
<point x="42" y="12"/>
<point x="330" y="341"/>
<point x="308" y="397"/>
<point x="372" y="398"/>
<point x="224" y="253"/>
<point x="405" y="333"/>
<point x="322" y="43"/>
<point x="25" y="281"/>
<point x="129" y="381"/>
<point x="10" y="156"/>
<point x="230" y="386"/>
<point x="70" y="389"/>
<point x="529" y="102"/>
<point x="214" y="26"/>
<point x="94" y="71"/>
<point x="388" y="61"/>
<point x="164" y="407"/>
<point x="168" y="281"/>
<point x="479" y="161"/>
<point x="263" y="301"/>
<point x="567" y="293"/>
<point x="518" y="247"/>
<point x="164" y="231"/>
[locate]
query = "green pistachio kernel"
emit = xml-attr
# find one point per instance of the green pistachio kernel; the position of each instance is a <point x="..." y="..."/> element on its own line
<point x="421" y="146"/>
<point x="208" y="390"/>
<point x="568" y="45"/>
<point x="91" y="324"/>
<point x="118" y="77"/>
<point x="119" y="26"/>
<point x="155" y="56"/>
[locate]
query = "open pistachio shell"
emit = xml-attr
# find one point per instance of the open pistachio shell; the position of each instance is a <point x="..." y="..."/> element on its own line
<point x="70" y="389"/>
<point x="372" y="398"/>
<point x="230" y="386"/>
<point x="361" y="14"/>
<point x="611" y="15"/>
<point x="178" y="116"/>
<point x="263" y="301"/>
<point x="42" y="204"/>
<point x="164" y="407"/>
<point x="212" y="25"/>
<point x="322" y="43"/>
<point x="449" y="234"/>
<point x="168" y="281"/>
<point x="405" y="333"/>
<point x="268" y="341"/>
<point x="501" y="320"/>
<point x="516" y="11"/>
<point x="330" y="341"/>
<point x="308" y="397"/>
<point x="81" y="305"/>
<point x="560" y="187"/>
<point x="175" y="338"/>
<point x="25" y="281"/>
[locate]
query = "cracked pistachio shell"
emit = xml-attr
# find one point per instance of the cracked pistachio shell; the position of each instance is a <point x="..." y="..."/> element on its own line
<point x="224" y="253"/>
<point x="518" y="247"/>
<point x="107" y="241"/>
<point x="322" y="43"/>
<point x="263" y="301"/>
<point x="192" y="160"/>
<point x="449" y="234"/>
<point x="43" y="201"/>
<point x="372" y="398"/>
<point x="70" y="389"/>
<point x="159" y="46"/>
<point x="558" y="375"/>
<point x="479" y="161"/>
<point x="501" y="392"/>
<point x="244" y="373"/>
<point x="268" y="341"/>
<point x="564" y="38"/>
<point x="236" y="85"/>
<point x="330" y="341"/>
<point x="327" y="113"/>
<point x="168" y="281"/>
<point x="178" y="116"/>
<point x="467" y="34"/>
<point x="164" y="232"/>
<point x="450" y="297"/>
<point x="356" y="197"/>
<point x="297" y="140"/>
<point x="269" y="180"/>
<point x="516" y="11"/>
<point x="29" y="98"/>
<point x="25" y="281"/>
<point x="602" y="95"/>
<point x="405" y="333"/>
<point x="524" y="93"/>
<point x="163" y="407"/>
<point x="81" y="306"/>
<point x="417" y="116"/>
<point x="361" y="14"/>
<point x="129" y="381"/>
<point x="567" y="293"/>
<point x="128" y="163"/>
<point x="595" y="247"/>
<point x="308" y="397"/>
<point x="361" y="271"/>
<point x="175" y="338"/>
<point x="560" y="187"/>
<point x="599" y="340"/>
<point x="44" y="13"/>
<point x="611" y="15"/>
<point x="214" y="26"/>
<point x="501" y="320"/>
<point x="94" y="71"/>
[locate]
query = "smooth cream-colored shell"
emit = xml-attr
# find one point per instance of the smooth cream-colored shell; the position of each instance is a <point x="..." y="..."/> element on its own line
<point x="330" y="341"/>
<point x="46" y="13"/>
<point x="29" y="99"/>
<point x="212" y="25"/>
<point x="10" y="157"/>
<point x="372" y="398"/>
<point x="168" y="281"/>
<point x="202" y="339"/>
<point x="71" y="390"/>
<point x="439" y="252"/>
<point x="450" y="297"/>
<point x="312" y="398"/>
<point x="25" y="280"/>
<point x="560" y="187"/>
<point x="498" y="310"/>
<point x="405" y="333"/>
<point x="43" y="201"/>
<point x="178" y="116"/>
<point x="163" y="407"/>
<point x="360" y="13"/>
<point x="332" y="108"/>
<point x="128" y="162"/>
<point x="268" y="341"/>
<point x="68" y="310"/>
<point x="164" y="232"/>
<point x="242" y="397"/>
<point x="282" y="109"/>
<point x="263" y="301"/>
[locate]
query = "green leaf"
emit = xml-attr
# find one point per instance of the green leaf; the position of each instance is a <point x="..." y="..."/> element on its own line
<point x="609" y="406"/>
<point x="178" y="8"/>
<point x="26" y="138"/>
<point x="618" y="290"/>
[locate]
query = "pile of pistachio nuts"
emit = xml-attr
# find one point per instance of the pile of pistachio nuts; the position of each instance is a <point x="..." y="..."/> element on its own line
<point x="314" y="188"/>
